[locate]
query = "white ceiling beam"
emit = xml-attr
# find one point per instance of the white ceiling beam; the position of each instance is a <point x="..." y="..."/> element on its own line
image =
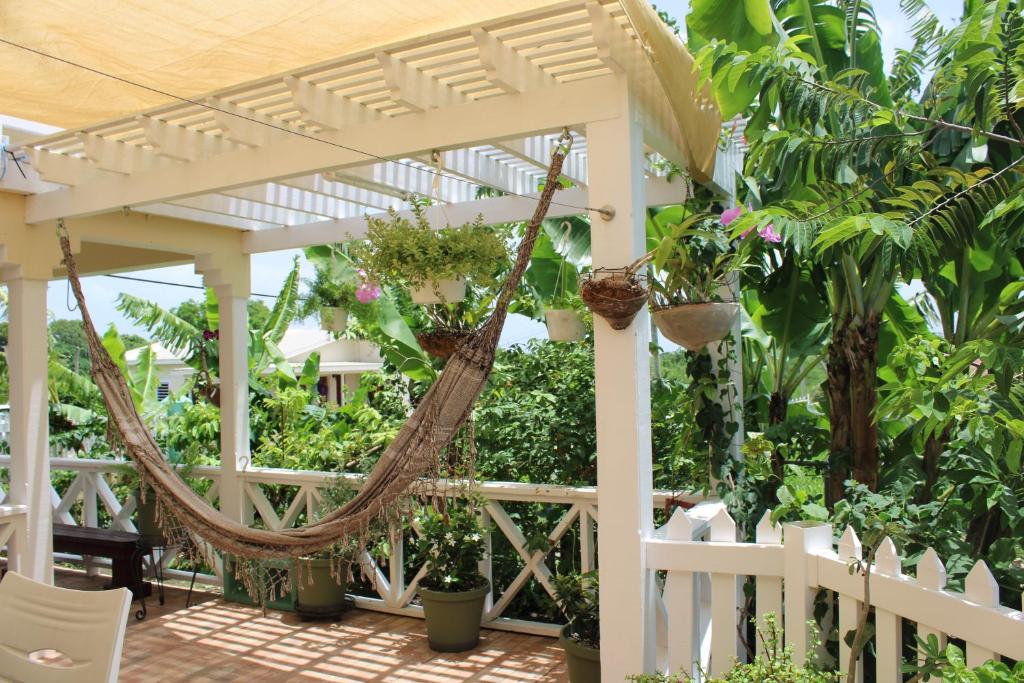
<point x="483" y="170"/>
<point x="609" y="38"/>
<point x="411" y="88"/>
<point x="510" y="209"/>
<point x="184" y="144"/>
<point x="64" y="169"/>
<point x="285" y="197"/>
<point x="244" y="208"/>
<point x="199" y="216"/>
<point x="320" y="185"/>
<point x="472" y="123"/>
<point x="536" y="151"/>
<point x="506" y="68"/>
<point x="119" y="157"/>
<point x="246" y="126"/>
<point x="325" y="108"/>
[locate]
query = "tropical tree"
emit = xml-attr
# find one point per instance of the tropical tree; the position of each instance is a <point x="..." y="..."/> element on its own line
<point x="875" y="182"/>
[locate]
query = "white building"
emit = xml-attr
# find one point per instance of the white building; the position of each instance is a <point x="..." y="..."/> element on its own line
<point x="342" y="362"/>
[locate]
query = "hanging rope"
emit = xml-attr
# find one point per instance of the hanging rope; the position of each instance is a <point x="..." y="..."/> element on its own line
<point x="413" y="454"/>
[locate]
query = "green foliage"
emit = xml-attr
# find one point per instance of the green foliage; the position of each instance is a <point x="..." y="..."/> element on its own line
<point x="693" y="262"/>
<point x="450" y="545"/>
<point x="949" y="664"/>
<point x="773" y="664"/>
<point x="577" y="598"/>
<point x="411" y="253"/>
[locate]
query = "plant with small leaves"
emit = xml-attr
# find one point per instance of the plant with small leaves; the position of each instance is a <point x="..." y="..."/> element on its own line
<point x="450" y="546"/>
<point x="693" y="263"/>
<point x="577" y="597"/>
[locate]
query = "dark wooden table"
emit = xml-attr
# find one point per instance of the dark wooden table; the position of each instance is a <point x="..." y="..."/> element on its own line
<point x="125" y="550"/>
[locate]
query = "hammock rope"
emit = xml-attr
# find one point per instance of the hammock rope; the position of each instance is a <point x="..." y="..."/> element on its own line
<point x="413" y="454"/>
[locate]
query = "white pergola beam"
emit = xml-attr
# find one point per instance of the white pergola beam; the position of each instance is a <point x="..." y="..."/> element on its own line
<point x="325" y="108"/>
<point x="536" y="151"/>
<point x="318" y="184"/>
<point x="413" y="89"/>
<point x="184" y="144"/>
<point x="472" y="123"/>
<point x="613" y="48"/>
<point x="481" y="169"/>
<point x="243" y="208"/>
<point x="64" y="169"/>
<point x="119" y="157"/>
<point x="246" y="126"/>
<point x="291" y="198"/>
<point x="506" y="68"/>
<point x="511" y="209"/>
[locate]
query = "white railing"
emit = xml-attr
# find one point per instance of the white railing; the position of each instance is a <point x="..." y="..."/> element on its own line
<point x="12" y="527"/>
<point x="699" y="608"/>
<point x="394" y="581"/>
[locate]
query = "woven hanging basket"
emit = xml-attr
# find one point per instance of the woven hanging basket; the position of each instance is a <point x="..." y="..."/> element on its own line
<point x="615" y="294"/>
<point x="694" y="326"/>
<point x="441" y="343"/>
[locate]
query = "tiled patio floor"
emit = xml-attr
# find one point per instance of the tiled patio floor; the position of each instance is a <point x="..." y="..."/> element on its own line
<point x="218" y="641"/>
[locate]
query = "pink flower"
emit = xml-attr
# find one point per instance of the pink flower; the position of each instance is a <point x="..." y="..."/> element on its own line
<point x="367" y="292"/>
<point x="729" y="215"/>
<point x="769" y="235"/>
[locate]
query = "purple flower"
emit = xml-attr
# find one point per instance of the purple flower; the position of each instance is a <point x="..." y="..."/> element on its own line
<point x="729" y="215"/>
<point x="769" y="235"/>
<point x="367" y="292"/>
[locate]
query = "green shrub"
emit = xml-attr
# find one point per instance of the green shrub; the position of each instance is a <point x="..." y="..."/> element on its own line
<point x="450" y="546"/>
<point x="577" y="597"/>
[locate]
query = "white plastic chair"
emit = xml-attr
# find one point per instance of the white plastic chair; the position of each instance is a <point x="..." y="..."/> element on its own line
<point x="87" y="627"/>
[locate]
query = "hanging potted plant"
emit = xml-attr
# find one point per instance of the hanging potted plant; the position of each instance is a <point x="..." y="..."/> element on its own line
<point x="332" y="293"/>
<point x="690" y="295"/>
<point x="450" y="548"/>
<point x="576" y="595"/>
<point x="615" y="294"/>
<point x="434" y="265"/>
<point x="562" y="314"/>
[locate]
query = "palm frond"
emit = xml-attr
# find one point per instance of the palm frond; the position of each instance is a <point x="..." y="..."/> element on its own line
<point x="173" y="332"/>
<point x="286" y="307"/>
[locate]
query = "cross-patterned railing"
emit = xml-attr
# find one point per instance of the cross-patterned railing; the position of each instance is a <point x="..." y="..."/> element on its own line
<point x="300" y="495"/>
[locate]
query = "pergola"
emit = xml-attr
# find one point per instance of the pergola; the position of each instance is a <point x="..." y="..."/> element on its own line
<point x="464" y="98"/>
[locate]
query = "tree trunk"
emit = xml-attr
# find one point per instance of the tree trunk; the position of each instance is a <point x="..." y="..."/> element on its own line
<point x="862" y="355"/>
<point x="934" y="447"/>
<point x="838" y="369"/>
<point x="778" y="405"/>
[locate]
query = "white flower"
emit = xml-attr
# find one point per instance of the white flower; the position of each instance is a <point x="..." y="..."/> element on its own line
<point x="448" y="579"/>
<point x="474" y="537"/>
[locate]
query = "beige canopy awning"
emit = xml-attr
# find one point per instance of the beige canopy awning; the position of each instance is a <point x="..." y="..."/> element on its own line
<point x="192" y="48"/>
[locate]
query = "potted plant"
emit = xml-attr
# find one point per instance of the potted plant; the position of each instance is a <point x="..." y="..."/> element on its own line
<point x="577" y="596"/>
<point x="450" y="548"/>
<point x="434" y="265"/>
<point x="562" y="314"/>
<point x="321" y="580"/>
<point x="615" y="294"/>
<point x="690" y="295"/>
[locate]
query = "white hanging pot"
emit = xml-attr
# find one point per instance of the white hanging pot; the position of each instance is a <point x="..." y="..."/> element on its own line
<point x="333" y="319"/>
<point x="440" y="292"/>
<point x="564" y="324"/>
<point x="694" y="326"/>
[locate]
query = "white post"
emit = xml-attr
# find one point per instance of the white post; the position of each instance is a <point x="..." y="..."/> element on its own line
<point x="800" y="581"/>
<point x="622" y="378"/>
<point x="234" y="400"/>
<point x="29" y="437"/>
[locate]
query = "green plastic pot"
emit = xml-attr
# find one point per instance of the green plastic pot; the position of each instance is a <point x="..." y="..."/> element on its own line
<point x="453" y="619"/>
<point x="318" y="594"/>
<point x="584" y="662"/>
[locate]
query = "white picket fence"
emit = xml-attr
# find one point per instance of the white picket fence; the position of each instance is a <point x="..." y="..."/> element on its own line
<point x="395" y="581"/>
<point x="699" y="607"/>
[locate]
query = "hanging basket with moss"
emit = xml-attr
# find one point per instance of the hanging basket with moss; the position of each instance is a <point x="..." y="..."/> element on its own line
<point x="615" y="294"/>
<point x="442" y="342"/>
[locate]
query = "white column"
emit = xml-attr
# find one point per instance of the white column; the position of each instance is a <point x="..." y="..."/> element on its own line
<point x="234" y="399"/>
<point x="622" y="373"/>
<point x="29" y="438"/>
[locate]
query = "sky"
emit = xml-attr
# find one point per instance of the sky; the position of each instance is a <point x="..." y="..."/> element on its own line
<point x="269" y="270"/>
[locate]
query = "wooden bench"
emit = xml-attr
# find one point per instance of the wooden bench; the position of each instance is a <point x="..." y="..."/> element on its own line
<point x="125" y="550"/>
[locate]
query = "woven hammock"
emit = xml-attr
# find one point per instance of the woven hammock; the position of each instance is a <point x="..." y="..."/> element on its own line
<point x="413" y="454"/>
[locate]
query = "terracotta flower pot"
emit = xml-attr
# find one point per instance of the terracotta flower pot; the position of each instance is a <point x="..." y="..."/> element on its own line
<point x="319" y="592"/>
<point x="453" y="619"/>
<point x="694" y="326"/>
<point x="584" y="662"/>
<point x="564" y="324"/>
<point x="333" y="319"/>
<point x="440" y="292"/>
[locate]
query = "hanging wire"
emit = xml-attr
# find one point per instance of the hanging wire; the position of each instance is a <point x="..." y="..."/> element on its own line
<point x="268" y="124"/>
